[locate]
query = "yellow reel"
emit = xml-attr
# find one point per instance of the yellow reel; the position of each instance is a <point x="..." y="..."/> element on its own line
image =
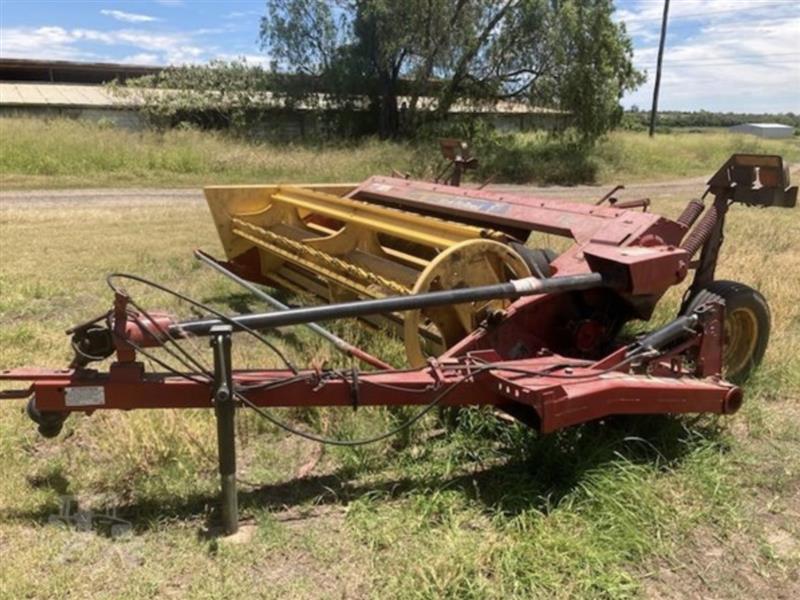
<point x="467" y="264"/>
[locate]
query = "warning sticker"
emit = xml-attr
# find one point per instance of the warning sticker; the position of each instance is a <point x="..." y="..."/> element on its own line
<point x="85" y="396"/>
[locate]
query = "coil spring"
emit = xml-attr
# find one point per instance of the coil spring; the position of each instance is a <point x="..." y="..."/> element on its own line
<point x="702" y="231"/>
<point x="690" y="214"/>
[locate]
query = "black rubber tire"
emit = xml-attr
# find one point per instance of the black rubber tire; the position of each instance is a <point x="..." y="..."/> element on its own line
<point x="537" y="259"/>
<point x="739" y="296"/>
<point x="49" y="423"/>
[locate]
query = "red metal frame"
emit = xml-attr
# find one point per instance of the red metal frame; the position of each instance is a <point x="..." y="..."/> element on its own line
<point x="542" y="389"/>
<point x="581" y="222"/>
<point x="558" y="403"/>
<point x="551" y="360"/>
<point x="639" y="254"/>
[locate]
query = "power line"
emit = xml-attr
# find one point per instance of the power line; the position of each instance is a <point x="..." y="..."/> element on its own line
<point x="734" y="2"/>
<point x="739" y="58"/>
<point x="635" y="19"/>
<point x="690" y="64"/>
<point x="795" y="54"/>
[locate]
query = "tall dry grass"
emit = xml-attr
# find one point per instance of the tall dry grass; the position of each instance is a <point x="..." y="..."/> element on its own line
<point x="35" y="152"/>
<point x="631" y="156"/>
<point x="68" y="153"/>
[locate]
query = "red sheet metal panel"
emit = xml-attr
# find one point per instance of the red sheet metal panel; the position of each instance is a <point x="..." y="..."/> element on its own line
<point x="582" y="222"/>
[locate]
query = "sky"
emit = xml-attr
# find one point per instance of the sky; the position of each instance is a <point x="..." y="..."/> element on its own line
<point x="721" y="55"/>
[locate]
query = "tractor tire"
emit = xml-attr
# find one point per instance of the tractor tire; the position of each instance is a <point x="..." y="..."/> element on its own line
<point x="537" y="259"/>
<point x="746" y="327"/>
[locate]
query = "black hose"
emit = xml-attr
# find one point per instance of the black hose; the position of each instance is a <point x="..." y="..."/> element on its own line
<point x="204" y="376"/>
<point x="223" y="318"/>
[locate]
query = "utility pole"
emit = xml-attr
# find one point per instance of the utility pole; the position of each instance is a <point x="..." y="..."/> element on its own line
<point x="658" y="68"/>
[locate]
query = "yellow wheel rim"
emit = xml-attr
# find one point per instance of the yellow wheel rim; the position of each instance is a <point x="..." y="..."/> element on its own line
<point x="468" y="264"/>
<point x="740" y="337"/>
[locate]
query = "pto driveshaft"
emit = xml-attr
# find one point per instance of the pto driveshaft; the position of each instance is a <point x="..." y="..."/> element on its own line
<point x="529" y="286"/>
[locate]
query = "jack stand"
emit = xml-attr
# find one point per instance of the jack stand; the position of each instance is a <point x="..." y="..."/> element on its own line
<point x="225" y="411"/>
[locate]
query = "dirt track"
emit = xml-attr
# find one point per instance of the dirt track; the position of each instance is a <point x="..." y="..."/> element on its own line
<point x="141" y="196"/>
<point x="130" y="196"/>
<point x="687" y="187"/>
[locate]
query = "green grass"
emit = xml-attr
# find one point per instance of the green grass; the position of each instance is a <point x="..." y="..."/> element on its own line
<point x="63" y="153"/>
<point x="620" y="157"/>
<point x="654" y="506"/>
<point x="628" y="156"/>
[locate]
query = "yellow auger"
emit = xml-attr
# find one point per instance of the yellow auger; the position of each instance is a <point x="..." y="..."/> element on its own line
<point x="315" y="239"/>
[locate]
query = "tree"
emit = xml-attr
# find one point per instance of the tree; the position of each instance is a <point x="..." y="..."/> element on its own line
<point x="568" y="54"/>
<point x="222" y="93"/>
<point x="592" y="67"/>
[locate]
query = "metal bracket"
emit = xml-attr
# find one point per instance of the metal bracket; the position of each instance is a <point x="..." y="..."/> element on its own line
<point x="225" y="411"/>
<point x="354" y="390"/>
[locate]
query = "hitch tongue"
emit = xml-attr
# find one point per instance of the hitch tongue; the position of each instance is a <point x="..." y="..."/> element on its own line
<point x="16" y="394"/>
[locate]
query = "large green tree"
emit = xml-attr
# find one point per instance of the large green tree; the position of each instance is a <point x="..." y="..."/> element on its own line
<point x="415" y="58"/>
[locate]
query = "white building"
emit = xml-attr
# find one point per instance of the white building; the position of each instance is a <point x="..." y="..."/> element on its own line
<point x="40" y="88"/>
<point x="764" y="130"/>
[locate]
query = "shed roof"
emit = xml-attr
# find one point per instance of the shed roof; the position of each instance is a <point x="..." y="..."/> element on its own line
<point x="97" y="96"/>
<point x="67" y="71"/>
<point x="57" y="94"/>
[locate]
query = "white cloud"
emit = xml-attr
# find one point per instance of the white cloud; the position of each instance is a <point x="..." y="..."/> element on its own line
<point x="142" y="58"/>
<point x="127" y="17"/>
<point x="69" y="44"/>
<point x="720" y="55"/>
<point x="53" y="43"/>
<point x="644" y="16"/>
<point x="241" y="14"/>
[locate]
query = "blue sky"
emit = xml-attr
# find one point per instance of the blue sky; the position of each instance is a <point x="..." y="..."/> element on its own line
<point x="728" y="55"/>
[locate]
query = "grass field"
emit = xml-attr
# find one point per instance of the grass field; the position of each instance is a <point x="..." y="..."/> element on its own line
<point x="655" y="507"/>
<point x="63" y="153"/>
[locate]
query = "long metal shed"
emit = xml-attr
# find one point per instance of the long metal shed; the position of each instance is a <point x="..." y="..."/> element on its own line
<point x="764" y="130"/>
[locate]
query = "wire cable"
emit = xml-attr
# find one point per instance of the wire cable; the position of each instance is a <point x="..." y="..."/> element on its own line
<point x="184" y="298"/>
<point x="240" y="390"/>
<point x="364" y="441"/>
<point x="202" y="375"/>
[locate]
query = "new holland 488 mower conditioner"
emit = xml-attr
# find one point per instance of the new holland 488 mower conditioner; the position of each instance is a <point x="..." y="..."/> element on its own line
<point x="487" y="319"/>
